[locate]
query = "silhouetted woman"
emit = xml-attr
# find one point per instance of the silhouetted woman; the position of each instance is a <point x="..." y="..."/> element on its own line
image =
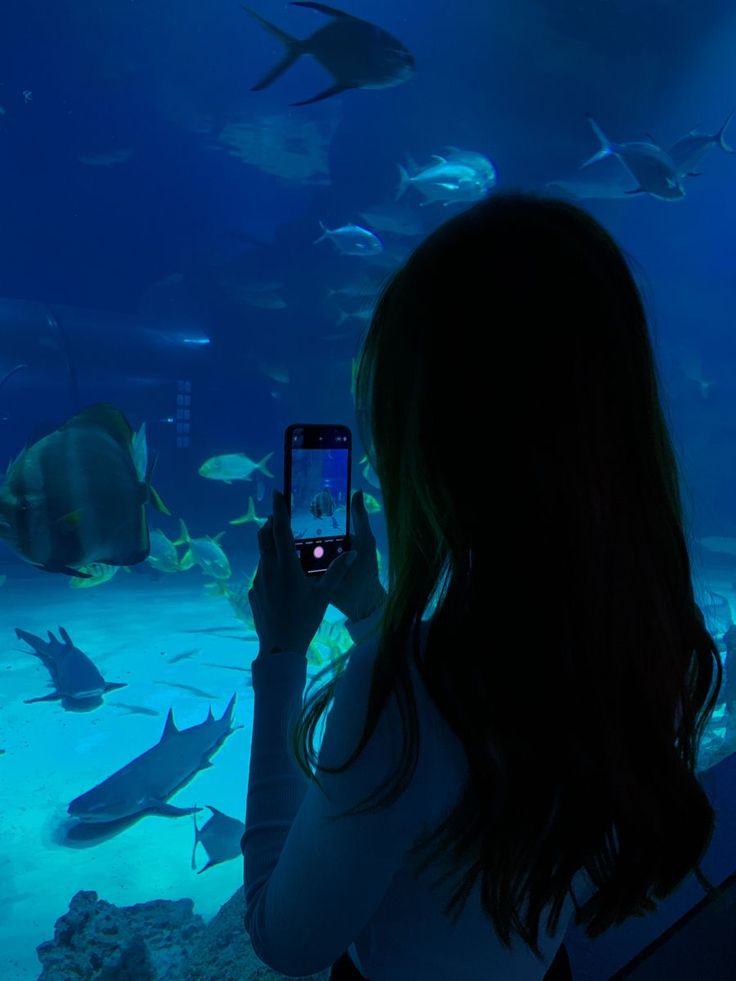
<point x="513" y="740"/>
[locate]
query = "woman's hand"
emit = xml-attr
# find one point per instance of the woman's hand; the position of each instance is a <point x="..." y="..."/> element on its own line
<point x="288" y="606"/>
<point x="359" y="592"/>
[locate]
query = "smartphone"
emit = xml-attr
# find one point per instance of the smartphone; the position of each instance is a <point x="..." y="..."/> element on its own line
<point x="317" y="462"/>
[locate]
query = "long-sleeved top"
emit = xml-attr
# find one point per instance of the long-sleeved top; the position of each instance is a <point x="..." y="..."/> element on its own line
<point x="316" y="887"/>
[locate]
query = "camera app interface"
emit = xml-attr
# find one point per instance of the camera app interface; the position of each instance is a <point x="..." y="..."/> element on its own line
<point x="319" y="491"/>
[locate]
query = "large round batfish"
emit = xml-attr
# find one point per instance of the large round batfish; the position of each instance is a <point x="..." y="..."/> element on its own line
<point x="358" y="54"/>
<point x="76" y="496"/>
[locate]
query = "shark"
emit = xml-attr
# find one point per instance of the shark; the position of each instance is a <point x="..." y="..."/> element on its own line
<point x="145" y="784"/>
<point x="77" y="681"/>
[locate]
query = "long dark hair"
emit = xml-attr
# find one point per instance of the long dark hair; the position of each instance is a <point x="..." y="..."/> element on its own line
<point x="508" y="392"/>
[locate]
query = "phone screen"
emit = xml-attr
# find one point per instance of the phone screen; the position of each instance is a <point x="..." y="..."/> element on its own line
<point x="317" y="477"/>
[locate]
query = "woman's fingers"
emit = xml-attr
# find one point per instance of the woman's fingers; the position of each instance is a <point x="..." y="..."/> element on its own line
<point x="282" y="535"/>
<point x="266" y="543"/>
<point x="361" y="522"/>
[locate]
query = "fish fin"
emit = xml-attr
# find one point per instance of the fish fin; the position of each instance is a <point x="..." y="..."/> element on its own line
<point x="139" y="449"/>
<point x="155" y="499"/>
<point x="205" y="867"/>
<point x="196" y="836"/>
<point x="112" y="685"/>
<point x="187" y="561"/>
<point x="637" y="190"/>
<point x="105" y="416"/>
<point x="183" y="538"/>
<point x="153" y="495"/>
<point x="438" y="158"/>
<point x="65" y="637"/>
<point x="53" y="697"/>
<point x="605" y="150"/>
<point x="217" y="537"/>
<point x="261" y="465"/>
<point x="325" y="233"/>
<point x="66" y="571"/>
<point x="691" y="173"/>
<point x="169" y="727"/>
<point x="404" y="181"/>
<point x="294" y="48"/>
<point x="161" y="807"/>
<point x="322" y="8"/>
<point x="228" y="713"/>
<point x="209" y="715"/>
<point x="335" y="89"/>
<point x="719" y="135"/>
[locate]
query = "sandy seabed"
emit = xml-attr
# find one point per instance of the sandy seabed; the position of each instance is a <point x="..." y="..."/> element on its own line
<point x="130" y="627"/>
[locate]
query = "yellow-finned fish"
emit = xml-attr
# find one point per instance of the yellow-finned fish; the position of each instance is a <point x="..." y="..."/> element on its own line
<point x="77" y="496"/>
<point x="234" y="466"/>
<point x="204" y="552"/>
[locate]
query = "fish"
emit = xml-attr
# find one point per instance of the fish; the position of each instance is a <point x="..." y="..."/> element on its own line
<point x="93" y="575"/>
<point x="163" y="555"/>
<point x="357" y="53"/>
<point x="135" y="709"/>
<point x="199" y="692"/>
<point x="323" y="504"/>
<point x="204" y="552"/>
<point x="293" y="148"/>
<point x="279" y="373"/>
<point x="74" y="676"/>
<point x="184" y="654"/>
<point x="107" y="158"/>
<point x="234" y="466"/>
<point x="145" y="784"/>
<point x="691" y="364"/>
<point x="75" y="497"/>
<point x="478" y="162"/>
<point x="220" y="837"/>
<point x="688" y="151"/>
<point x="352" y="239"/>
<point x="369" y="473"/>
<point x="362" y="289"/>
<point x="581" y="190"/>
<point x="250" y="516"/>
<point x="655" y="171"/>
<point x="372" y="504"/>
<point x="363" y="314"/>
<point x="446" y="181"/>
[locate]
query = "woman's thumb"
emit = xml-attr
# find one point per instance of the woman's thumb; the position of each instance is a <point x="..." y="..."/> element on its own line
<point x="337" y="571"/>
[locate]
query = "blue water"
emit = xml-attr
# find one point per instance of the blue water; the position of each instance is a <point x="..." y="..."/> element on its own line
<point x="149" y="199"/>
